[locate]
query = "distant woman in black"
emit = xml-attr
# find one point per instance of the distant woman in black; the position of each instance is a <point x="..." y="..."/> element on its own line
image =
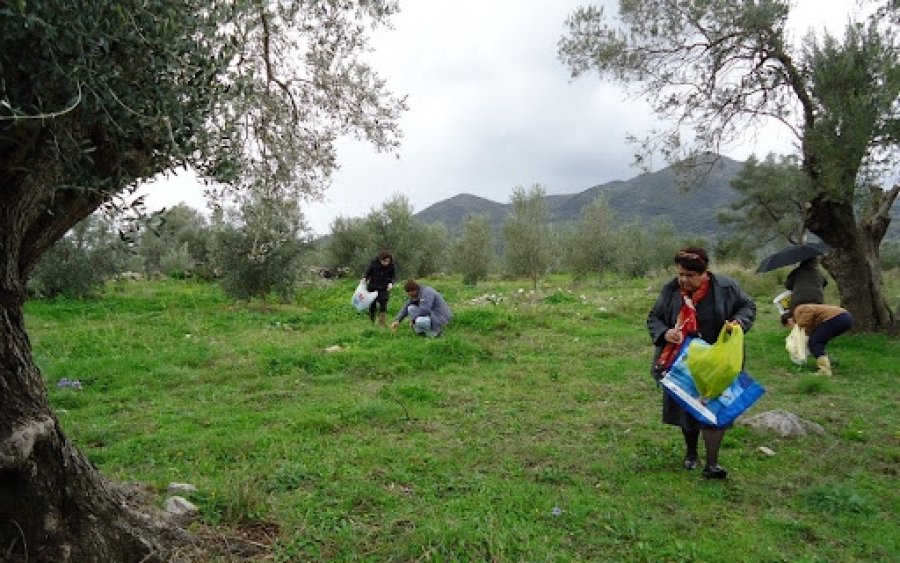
<point x="379" y="277"/>
<point x="806" y="283"/>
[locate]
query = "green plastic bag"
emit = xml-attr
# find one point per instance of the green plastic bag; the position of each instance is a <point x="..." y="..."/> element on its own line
<point x="715" y="367"/>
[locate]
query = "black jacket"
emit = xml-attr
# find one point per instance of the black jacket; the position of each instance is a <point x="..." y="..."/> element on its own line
<point x="377" y="276"/>
<point x="807" y="285"/>
<point x="731" y="303"/>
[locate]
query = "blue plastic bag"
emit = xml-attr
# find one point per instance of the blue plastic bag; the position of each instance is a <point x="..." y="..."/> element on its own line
<point x="721" y="411"/>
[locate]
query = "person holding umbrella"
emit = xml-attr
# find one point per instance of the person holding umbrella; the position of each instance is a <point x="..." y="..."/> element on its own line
<point x="806" y="283"/>
<point x="791" y="255"/>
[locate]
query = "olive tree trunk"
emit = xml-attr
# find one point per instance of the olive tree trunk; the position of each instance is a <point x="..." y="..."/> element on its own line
<point x="54" y="505"/>
<point x="855" y="264"/>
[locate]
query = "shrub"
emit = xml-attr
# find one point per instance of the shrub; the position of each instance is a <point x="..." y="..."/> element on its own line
<point x="177" y="262"/>
<point x="260" y="252"/>
<point x="890" y="254"/>
<point x="176" y="243"/>
<point x="78" y="264"/>
<point x="254" y="268"/>
<point x="66" y="270"/>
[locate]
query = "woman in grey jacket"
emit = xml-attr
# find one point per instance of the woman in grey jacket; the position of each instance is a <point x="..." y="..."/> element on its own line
<point x="696" y="303"/>
<point x="427" y="309"/>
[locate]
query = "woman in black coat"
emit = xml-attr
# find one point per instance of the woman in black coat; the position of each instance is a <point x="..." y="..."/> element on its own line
<point x="379" y="277"/>
<point x="807" y="283"/>
<point x="696" y="303"/>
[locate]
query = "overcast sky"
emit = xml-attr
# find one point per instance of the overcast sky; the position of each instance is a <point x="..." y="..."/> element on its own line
<point x="492" y="108"/>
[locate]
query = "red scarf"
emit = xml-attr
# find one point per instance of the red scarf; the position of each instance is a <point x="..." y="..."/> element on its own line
<point x="686" y="323"/>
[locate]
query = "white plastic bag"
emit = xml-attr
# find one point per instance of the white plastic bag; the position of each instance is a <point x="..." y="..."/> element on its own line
<point x="362" y="297"/>
<point x="782" y="301"/>
<point x="796" y="345"/>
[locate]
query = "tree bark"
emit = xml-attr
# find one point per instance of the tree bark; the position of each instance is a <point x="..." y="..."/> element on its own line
<point x="54" y="505"/>
<point x="855" y="263"/>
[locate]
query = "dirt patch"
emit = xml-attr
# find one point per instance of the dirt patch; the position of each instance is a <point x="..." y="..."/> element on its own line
<point x="248" y="541"/>
<point x="190" y="541"/>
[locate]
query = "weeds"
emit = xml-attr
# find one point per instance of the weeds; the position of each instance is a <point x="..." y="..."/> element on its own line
<point x="529" y="431"/>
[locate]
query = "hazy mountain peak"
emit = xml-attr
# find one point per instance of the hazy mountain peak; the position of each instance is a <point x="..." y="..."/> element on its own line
<point x="649" y="197"/>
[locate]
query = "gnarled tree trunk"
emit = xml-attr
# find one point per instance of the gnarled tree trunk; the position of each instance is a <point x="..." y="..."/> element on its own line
<point x="855" y="264"/>
<point x="54" y="505"/>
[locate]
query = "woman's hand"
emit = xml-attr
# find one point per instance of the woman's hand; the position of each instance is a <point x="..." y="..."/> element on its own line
<point x="674" y="336"/>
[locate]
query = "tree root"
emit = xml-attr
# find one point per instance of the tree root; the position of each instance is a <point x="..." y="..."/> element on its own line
<point x="18" y="446"/>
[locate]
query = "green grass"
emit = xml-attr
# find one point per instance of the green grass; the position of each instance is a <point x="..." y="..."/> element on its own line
<point x="529" y="432"/>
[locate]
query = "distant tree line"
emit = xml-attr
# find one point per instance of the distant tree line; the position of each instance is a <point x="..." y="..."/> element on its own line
<point x="263" y="248"/>
<point x="252" y="250"/>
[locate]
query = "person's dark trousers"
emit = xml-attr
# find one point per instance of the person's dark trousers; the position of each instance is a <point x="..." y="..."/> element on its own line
<point x="380" y="304"/>
<point x="828" y="330"/>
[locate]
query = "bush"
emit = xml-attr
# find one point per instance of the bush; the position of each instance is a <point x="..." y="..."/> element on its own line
<point x="177" y="262"/>
<point x="176" y="243"/>
<point x="641" y="249"/>
<point x="251" y="269"/>
<point x="79" y="263"/>
<point x="66" y="270"/>
<point x="260" y="252"/>
<point x="890" y="254"/>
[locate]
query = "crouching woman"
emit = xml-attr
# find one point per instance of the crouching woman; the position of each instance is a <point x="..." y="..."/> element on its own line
<point x="821" y="323"/>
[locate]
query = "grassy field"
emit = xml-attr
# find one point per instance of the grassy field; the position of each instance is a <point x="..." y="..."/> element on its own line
<point x="529" y="432"/>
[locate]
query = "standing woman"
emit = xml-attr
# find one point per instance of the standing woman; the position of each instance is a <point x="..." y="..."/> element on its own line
<point x="807" y="283"/>
<point x="696" y="303"/>
<point x="379" y="277"/>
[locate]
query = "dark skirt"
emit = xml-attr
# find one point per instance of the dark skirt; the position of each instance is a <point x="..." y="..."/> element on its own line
<point x="674" y="414"/>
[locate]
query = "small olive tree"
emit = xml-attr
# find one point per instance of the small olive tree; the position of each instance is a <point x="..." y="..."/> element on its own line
<point x="473" y="251"/>
<point x="418" y="249"/>
<point x="392" y="226"/>
<point x="175" y="243"/>
<point x="642" y="249"/>
<point x="260" y="250"/>
<point x="527" y="235"/>
<point x="590" y="246"/>
<point x="435" y="248"/>
<point x="78" y="264"/>
<point x="348" y="245"/>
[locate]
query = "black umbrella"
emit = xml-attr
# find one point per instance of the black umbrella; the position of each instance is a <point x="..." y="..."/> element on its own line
<point x="792" y="255"/>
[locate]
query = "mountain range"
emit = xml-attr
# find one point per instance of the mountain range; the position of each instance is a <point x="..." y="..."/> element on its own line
<point x="650" y="197"/>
